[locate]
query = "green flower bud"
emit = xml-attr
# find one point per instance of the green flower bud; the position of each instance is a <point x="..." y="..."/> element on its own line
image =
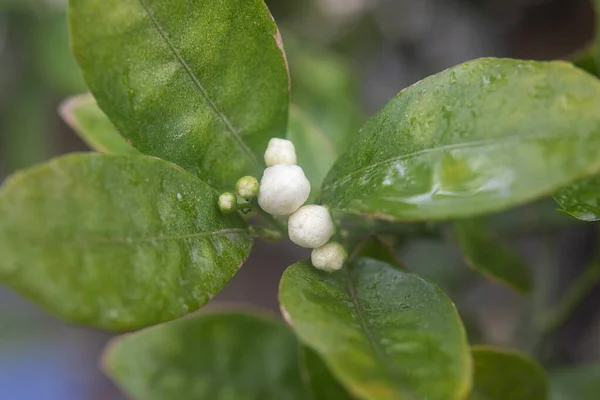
<point x="227" y="203"/>
<point x="247" y="187"/>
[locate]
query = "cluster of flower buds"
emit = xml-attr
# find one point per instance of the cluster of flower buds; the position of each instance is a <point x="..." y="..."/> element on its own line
<point x="282" y="191"/>
<point x="246" y="187"/>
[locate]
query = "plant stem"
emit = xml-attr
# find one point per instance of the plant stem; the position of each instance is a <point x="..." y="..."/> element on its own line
<point x="273" y="221"/>
<point x="575" y="294"/>
<point x="266" y="234"/>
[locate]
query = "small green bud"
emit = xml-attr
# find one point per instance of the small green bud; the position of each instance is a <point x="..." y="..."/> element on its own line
<point x="247" y="187"/>
<point x="227" y="203"/>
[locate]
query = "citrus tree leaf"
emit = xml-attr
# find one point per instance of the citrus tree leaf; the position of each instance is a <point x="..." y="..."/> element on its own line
<point x="84" y="116"/>
<point x="480" y="137"/>
<point x="203" y="84"/>
<point x="581" y="200"/>
<point x="217" y="356"/>
<point x="315" y="151"/>
<point x="320" y="381"/>
<point x="384" y="333"/>
<point x="501" y="375"/>
<point x="580" y="382"/>
<point x="487" y="254"/>
<point x="116" y="242"/>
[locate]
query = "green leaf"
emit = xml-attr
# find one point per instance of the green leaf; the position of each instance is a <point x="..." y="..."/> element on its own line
<point x="316" y="153"/>
<point x="503" y="375"/>
<point x="322" y="383"/>
<point x="384" y="333"/>
<point x="480" y="137"/>
<point x="116" y="242"/>
<point x="216" y="356"/>
<point x="82" y="114"/>
<point x="581" y="200"/>
<point x="486" y="253"/>
<point x="203" y="84"/>
<point x="576" y="383"/>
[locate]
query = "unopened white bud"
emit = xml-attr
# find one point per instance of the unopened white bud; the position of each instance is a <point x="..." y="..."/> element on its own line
<point x="311" y="226"/>
<point x="283" y="189"/>
<point x="227" y="203"/>
<point x="330" y="257"/>
<point x="280" y="151"/>
<point x="247" y="187"/>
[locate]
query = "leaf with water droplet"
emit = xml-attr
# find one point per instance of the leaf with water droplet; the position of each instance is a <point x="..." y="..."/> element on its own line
<point x="402" y="341"/>
<point x="203" y="84"/>
<point x="581" y="200"/>
<point x="102" y="240"/>
<point x="503" y="375"/>
<point x="222" y="355"/>
<point x="505" y="133"/>
<point x="85" y="117"/>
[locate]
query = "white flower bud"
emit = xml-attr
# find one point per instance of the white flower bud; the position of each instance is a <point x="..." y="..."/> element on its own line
<point x="311" y="226"/>
<point x="227" y="203"/>
<point x="247" y="187"/>
<point x="280" y="151"/>
<point x="283" y="189"/>
<point x="330" y="257"/>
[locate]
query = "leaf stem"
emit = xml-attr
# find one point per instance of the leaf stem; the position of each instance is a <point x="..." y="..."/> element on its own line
<point x="575" y="294"/>
<point x="275" y="222"/>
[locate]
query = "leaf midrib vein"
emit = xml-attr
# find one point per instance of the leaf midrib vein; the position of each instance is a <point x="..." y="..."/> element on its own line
<point x="369" y="334"/>
<point x="198" y="85"/>
<point x="451" y="146"/>
<point x="127" y="241"/>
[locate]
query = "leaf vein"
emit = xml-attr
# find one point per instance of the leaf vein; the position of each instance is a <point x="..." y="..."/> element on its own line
<point x="171" y="237"/>
<point x="370" y="335"/>
<point x="198" y="85"/>
<point x="441" y="148"/>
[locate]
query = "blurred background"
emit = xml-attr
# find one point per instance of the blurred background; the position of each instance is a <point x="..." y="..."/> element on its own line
<point x="348" y="58"/>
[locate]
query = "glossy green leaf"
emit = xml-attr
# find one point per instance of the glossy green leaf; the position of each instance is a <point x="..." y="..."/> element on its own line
<point x="581" y="200"/>
<point x="216" y="356"/>
<point x="575" y="383"/>
<point x="203" y="84"/>
<point x="503" y="375"/>
<point x="384" y="333"/>
<point x="480" y="137"/>
<point x="85" y="117"/>
<point x="116" y="242"/>
<point x="485" y="252"/>
<point x="320" y="381"/>
<point x="315" y="151"/>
